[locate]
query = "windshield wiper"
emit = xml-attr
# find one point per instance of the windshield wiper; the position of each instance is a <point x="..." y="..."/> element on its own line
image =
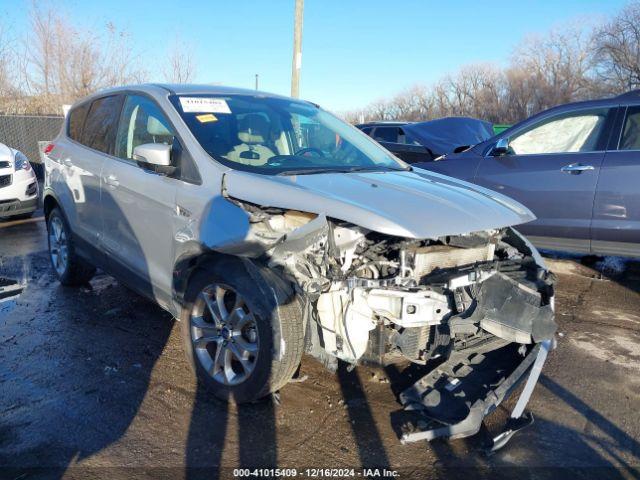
<point x="310" y="171"/>
<point x="378" y="169"/>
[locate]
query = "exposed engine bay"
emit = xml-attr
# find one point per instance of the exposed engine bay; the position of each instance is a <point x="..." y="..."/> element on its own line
<point x="479" y="305"/>
<point x="375" y="298"/>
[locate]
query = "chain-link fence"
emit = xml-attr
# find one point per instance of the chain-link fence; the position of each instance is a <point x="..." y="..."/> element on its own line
<point x="28" y="133"/>
<point x="23" y="132"/>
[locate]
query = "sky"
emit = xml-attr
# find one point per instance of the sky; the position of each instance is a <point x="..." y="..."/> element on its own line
<point x="353" y="51"/>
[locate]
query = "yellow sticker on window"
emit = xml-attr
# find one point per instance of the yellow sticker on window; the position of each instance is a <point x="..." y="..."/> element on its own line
<point x="206" y="118"/>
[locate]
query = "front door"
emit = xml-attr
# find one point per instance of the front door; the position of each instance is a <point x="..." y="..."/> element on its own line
<point x="552" y="167"/>
<point x="138" y="205"/>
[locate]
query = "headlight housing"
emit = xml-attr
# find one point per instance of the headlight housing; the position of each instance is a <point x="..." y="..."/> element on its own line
<point x="22" y="162"/>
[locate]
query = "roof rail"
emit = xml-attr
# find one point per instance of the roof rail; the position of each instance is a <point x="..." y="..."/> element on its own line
<point x="163" y="86"/>
<point x="631" y="94"/>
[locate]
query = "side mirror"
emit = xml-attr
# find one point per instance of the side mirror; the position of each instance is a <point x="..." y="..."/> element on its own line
<point x="501" y="148"/>
<point x="155" y="157"/>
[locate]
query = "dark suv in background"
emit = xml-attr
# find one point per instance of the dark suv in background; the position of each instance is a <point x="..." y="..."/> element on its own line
<point x="393" y="137"/>
<point x="576" y="166"/>
<point x="416" y="142"/>
<point x="391" y="132"/>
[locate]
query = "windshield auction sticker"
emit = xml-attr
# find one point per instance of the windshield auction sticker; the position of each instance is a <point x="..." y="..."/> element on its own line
<point x="204" y="105"/>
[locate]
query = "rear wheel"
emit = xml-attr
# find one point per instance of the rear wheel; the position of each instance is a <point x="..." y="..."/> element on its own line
<point x="70" y="269"/>
<point x="230" y="332"/>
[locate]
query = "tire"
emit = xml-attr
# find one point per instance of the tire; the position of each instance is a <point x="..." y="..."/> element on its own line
<point x="262" y="319"/>
<point x="70" y="269"/>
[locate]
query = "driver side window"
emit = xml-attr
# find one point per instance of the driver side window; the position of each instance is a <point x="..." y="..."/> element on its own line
<point x="142" y="122"/>
<point x="569" y="132"/>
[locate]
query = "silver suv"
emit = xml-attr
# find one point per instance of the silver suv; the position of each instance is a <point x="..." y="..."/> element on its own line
<point x="271" y="228"/>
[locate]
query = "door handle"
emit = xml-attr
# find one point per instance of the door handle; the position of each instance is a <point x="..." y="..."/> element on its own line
<point x="112" y="181"/>
<point x="576" y="168"/>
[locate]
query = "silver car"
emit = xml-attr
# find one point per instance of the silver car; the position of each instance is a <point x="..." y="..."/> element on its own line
<point x="270" y="228"/>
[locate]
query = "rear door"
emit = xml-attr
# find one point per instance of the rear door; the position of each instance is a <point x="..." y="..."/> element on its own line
<point x="616" y="213"/>
<point x="78" y="162"/>
<point x="138" y="206"/>
<point x="552" y="167"/>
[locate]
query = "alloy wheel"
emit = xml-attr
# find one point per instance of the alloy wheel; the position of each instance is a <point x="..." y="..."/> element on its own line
<point x="58" y="245"/>
<point x="224" y="334"/>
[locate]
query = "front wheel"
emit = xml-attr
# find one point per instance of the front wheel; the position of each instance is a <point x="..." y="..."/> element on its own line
<point x="230" y="332"/>
<point x="70" y="269"/>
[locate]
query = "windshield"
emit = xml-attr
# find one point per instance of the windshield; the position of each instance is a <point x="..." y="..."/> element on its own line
<point x="279" y="136"/>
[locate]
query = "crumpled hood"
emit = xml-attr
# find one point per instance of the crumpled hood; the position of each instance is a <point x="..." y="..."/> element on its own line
<point x="413" y="204"/>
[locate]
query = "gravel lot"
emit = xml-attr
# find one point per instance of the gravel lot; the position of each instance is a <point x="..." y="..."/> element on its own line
<point x="93" y="382"/>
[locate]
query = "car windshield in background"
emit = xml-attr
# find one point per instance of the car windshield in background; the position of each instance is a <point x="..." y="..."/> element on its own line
<point x="279" y="136"/>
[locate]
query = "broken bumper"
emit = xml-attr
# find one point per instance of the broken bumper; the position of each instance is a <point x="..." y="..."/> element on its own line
<point x="453" y="398"/>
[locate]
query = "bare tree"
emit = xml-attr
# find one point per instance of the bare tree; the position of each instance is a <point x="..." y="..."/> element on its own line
<point x="559" y="66"/>
<point x="37" y="63"/>
<point x="8" y="79"/>
<point x="92" y="61"/>
<point x="6" y="63"/>
<point x="520" y="95"/>
<point x="61" y="63"/>
<point x="617" y="50"/>
<point x="476" y="90"/>
<point x="180" y="66"/>
<point x="543" y="71"/>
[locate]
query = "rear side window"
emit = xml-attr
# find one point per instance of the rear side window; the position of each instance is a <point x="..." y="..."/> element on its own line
<point x="100" y="126"/>
<point x="386" y="134"/>
<point x="631" y="131"/>
<point x="76" y="121"/>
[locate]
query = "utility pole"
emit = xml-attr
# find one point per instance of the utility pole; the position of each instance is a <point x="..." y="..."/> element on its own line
<point x="256" y="81"/>
<point x="297" y="49"/>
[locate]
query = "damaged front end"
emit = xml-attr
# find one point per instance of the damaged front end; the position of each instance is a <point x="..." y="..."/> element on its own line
<point x="478" y="305"/>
